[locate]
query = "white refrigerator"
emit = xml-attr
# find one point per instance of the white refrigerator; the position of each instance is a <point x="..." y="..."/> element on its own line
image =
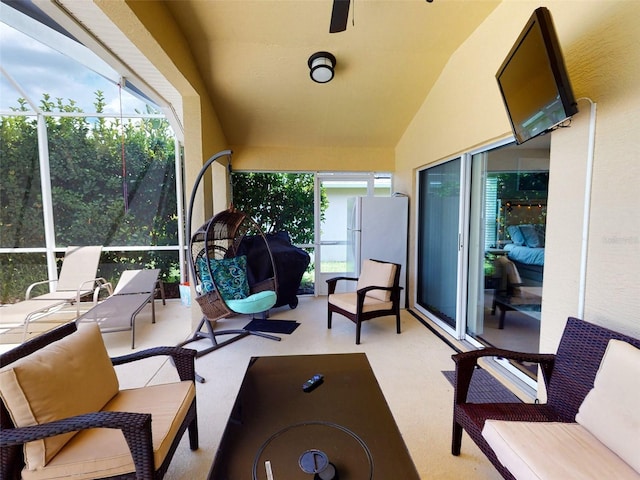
<point x="378" y="229"/>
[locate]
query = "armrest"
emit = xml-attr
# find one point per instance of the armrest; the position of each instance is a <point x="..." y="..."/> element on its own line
<point x="363" y="291"/>
<point x="183" y="359"/>
<point x="136" y="428"/>
<point x="125" y="421"/>
<point x="333" y="281"/>
<point x="467" y="361"/>
<point x="27" y="296"/>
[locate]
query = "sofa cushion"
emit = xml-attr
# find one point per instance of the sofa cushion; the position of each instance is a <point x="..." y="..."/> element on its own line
<point x="610" y="410"/>
<point x="103" y="452"/>
<point x="377" y="274"/>
<point x="554" y="451"/>
<point x="69" y="377"/>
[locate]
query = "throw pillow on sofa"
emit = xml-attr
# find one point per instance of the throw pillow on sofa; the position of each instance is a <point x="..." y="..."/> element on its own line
<point x="610" y="410"/>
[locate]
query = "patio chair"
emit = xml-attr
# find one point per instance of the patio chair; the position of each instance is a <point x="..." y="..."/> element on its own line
<point x="118" y="311"/>
<point x="63" y="414"/>
<point x="225" y="283"/>
<point x="77" y="277"/>
<point x="377" y="295"/>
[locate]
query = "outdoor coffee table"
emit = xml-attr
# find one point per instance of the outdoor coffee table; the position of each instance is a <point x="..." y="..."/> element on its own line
<point x="346" y="418"/>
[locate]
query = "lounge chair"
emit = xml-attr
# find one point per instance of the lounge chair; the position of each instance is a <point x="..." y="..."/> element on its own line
<point x="117" y="312"/>
<point x="22" y="314"/>
<point x="77" y="277"/>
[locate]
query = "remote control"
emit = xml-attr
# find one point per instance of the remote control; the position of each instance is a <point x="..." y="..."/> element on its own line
<point x="313" y="382"/>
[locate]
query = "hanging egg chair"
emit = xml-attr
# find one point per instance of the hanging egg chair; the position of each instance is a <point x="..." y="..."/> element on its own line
<point x="232" y="268"/>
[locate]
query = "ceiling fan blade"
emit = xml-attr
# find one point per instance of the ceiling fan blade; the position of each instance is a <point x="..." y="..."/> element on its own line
<point x="339" y="16"/>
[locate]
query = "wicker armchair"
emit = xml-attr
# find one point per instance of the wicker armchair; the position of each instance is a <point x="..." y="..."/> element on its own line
<point x="377" y="295"/>
<point x="135" y="426"/>
<point x="568" y="375"/>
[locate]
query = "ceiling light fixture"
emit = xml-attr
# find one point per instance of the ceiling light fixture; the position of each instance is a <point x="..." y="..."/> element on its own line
<point x="321" y="65"/>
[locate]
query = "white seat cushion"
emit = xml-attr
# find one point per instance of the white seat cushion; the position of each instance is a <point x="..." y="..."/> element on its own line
<point x="378" y="274"/>
<point x="348" y="301"/>
<point x="611" y="411"/>
<point x="555" y="451"/>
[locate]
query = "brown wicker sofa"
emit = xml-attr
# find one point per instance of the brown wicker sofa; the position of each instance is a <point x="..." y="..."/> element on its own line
<point x="62" y="391"/>
<point x="568" y="375"/>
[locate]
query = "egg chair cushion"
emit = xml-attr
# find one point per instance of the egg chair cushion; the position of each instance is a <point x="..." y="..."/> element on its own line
<point x="229" y="277"/>
<point x="258" y="302"/>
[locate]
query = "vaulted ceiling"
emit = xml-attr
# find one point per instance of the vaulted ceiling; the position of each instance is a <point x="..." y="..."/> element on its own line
<point x="253" y="57"/>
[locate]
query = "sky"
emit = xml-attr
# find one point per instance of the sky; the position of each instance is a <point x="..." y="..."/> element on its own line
<point x="39" y="69"/>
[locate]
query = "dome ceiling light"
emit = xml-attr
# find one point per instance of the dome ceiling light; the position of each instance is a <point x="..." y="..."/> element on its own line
<point x="322" y="66"/>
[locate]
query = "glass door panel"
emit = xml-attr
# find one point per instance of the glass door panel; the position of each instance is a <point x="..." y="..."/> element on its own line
<point x="337" y="249"/>
<point x="439" y="240"/>
<point x="505" y="274"/>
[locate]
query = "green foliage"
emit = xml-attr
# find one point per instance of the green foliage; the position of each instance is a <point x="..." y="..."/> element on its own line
<point x="279" y="201"/>
<point x="112" y="183"/>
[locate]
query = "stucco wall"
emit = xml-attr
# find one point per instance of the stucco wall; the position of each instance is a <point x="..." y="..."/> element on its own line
<point x="601" y="45"/>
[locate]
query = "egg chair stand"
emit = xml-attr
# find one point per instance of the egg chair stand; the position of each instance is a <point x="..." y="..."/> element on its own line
<point x="218" y="271"/>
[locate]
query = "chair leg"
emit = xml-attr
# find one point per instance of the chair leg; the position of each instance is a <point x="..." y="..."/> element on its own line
<point x="398" y="322"/>
<point x="329" y="312"/>
<point x="456" y="439"/>
<point x="193" y="434"/>
<point x="358" y="326"/>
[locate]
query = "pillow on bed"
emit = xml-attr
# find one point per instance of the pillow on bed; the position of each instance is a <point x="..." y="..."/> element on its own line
<point x="516" y="235"/>
<point x="541" y="229"/>
<point x="531" y="236"/>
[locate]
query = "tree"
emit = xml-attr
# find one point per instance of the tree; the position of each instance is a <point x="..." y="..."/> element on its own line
<point x="279" y="201"/>
<point x="112" y="183"/>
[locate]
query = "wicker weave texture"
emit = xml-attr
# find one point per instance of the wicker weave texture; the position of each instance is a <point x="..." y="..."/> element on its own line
<point x="569" y="375"/>
<point x="136" y="427"/>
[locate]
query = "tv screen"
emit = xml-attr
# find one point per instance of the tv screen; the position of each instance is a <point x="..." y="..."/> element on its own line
<point x="533" y="80"/>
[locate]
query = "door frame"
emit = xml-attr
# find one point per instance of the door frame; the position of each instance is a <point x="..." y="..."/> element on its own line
<point x="368" y="177"/>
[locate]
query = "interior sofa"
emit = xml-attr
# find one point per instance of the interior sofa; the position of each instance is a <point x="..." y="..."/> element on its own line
<point x="588" y="428"/>
<point x="63" y="414"/>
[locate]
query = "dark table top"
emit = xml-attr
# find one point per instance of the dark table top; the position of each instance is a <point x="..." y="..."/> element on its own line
<point x="346" y="417"/>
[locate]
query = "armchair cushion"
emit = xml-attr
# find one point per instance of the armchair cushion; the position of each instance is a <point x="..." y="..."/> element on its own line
<point x="107" y="447"/>
<point x="377" y="274"/>
<point x="610" y="409"/>
<point x="66" y="378"/>
<point x="349" y="302"/>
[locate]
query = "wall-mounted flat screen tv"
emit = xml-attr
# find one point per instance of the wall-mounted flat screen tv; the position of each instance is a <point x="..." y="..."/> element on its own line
<point x="533" y="80"/>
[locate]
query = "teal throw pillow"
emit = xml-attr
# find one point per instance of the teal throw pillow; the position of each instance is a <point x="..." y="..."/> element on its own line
<point x="206" y="281"/>
<point x="230" y="276"/>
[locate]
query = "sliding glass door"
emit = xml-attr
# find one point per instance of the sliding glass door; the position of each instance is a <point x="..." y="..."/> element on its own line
<point x="508" y="211"/>
<point x="440" y="241"/>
